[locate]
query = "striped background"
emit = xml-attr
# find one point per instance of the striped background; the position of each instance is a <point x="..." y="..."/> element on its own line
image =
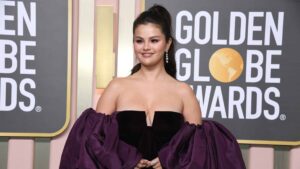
<point x="44" y="153"/>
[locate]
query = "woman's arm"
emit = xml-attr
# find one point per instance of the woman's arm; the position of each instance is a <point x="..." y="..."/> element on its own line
<point x="107" y="103"/>
<point x="191" y="108"/>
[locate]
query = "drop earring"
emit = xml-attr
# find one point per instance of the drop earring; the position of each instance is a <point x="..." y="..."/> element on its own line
<point x="167" y="57"/>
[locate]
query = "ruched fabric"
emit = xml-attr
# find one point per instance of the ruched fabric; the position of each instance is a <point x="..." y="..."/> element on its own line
<point x="206" y="146"/>
<point x="93" y="143"/>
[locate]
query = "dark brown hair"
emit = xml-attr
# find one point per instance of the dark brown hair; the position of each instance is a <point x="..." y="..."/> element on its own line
<point x="160" y="16"/>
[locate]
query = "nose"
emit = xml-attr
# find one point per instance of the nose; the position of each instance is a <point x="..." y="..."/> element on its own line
<point x="146" y="46"/>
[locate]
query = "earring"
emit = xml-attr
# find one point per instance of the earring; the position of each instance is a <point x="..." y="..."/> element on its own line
<point x="167" y="57"/>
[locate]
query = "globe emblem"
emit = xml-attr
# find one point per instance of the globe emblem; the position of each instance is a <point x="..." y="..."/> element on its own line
<point x="226" y="65"/>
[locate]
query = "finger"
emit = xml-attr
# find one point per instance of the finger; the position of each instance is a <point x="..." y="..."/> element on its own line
<point x="156" y="165"/>
<point x="146" y="163"/>
<point x="139" y="165"/>
<point x="154" y="161"/>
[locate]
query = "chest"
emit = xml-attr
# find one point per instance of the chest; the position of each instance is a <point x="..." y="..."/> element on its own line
<point x="149" y="100"/>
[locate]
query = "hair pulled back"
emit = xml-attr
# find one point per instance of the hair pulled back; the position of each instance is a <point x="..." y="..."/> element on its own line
<point x="160" y="16"/>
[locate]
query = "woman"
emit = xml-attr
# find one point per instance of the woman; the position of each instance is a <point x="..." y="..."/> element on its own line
<point x="149" y="119"/>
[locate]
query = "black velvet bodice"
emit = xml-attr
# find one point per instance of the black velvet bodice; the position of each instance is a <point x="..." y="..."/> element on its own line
<point x="148" y="140"/>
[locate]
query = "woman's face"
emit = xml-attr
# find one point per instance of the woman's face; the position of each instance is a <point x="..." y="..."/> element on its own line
<point x="150" y="44"/>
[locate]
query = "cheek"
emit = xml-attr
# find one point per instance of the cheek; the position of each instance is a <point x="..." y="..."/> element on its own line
<point x="136" y="47"/>
<point x="161" y="47"/>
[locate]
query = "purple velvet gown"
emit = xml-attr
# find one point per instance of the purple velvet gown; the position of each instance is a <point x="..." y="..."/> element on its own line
<point x="120" y="140"/>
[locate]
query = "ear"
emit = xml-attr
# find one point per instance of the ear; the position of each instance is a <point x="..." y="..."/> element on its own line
<point x="170" y="41"/>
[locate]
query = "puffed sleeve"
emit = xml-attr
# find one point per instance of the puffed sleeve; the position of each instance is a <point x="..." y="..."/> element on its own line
<point x="206" y="146"/>
<point x="93" y="143"/>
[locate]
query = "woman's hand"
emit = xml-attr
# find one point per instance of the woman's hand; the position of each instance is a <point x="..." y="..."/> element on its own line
<point x="142" y="164"/>
<point x="155" y="163"/>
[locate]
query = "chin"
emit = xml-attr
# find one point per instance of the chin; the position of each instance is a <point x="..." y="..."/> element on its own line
<point x="149" y="63"/>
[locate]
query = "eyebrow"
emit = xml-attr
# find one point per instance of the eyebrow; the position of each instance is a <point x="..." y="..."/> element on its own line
<point x="149" y="37"/>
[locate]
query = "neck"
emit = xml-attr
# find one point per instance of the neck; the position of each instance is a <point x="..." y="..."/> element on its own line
<point x="153" y="74"/>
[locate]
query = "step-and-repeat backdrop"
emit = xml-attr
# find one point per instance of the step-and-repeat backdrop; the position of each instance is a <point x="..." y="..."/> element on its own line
<point x="242" y="60"/>
<point x="240" y="57"/>
<point x="33" y="67"/>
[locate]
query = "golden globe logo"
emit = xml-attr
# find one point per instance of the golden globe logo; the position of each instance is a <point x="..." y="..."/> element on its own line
<point x="226" y="65"/>
<point x="256" y="97"/>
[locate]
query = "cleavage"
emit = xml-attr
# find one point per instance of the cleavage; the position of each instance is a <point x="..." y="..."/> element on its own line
<point x="149" y="117"/>
<point x="147" y="120"/>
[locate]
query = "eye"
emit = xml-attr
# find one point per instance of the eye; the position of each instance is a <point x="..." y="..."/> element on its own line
<point x="154" y="40"/>
<point x="138" y="41"/>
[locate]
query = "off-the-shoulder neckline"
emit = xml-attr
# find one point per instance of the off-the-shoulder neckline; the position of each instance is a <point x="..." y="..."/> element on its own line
<point x="155" y="111"/>
<point x="116" y="112"/>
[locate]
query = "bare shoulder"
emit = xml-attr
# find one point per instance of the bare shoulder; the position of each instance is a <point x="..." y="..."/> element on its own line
<point x="191" y="107"/>
<point x="116" y="84"/>
<point x="108" y="100"/>
<point x="185" y="89"/>
<point x="182" y="89"/>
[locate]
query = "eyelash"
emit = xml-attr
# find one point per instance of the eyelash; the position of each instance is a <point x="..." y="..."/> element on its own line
<point x="138" y="41"/>
<point x="152" y="40"/>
